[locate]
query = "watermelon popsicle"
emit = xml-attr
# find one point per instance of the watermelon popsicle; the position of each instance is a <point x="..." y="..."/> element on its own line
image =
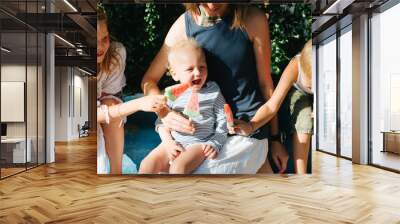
<point x="229" y="115"/>
<point x="173" y="92"/>
<point x="192" y="108"/>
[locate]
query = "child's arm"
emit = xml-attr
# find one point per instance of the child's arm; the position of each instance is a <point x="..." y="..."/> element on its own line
<point x="271" y="107"/>
<point x="165" y="133"/>
<point x="267" y="111"/>
<point x="221" y="131"/>
<point x="172" y="147"/>
<point x="147" y="103"/>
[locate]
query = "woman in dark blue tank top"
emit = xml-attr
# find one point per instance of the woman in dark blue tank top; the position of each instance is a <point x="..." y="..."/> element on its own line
<point x="231" y="64"/>
<point x="237" y="50"/>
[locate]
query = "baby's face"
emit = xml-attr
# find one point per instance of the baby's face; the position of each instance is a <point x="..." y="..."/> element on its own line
<point x="189" y="66"/>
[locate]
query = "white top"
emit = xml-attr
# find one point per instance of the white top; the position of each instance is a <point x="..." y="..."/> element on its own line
<point x="299" y="83"/>
<point x="114" y="82"/>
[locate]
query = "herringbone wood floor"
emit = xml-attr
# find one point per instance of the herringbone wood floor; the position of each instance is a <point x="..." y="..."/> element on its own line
<point x="69" y="191"/>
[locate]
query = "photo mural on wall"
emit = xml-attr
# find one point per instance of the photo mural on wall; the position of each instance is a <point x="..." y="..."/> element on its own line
<point x="184" y="88"/>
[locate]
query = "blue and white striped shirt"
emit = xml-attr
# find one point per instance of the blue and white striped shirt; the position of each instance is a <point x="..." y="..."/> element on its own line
<point x="210" y="125"/>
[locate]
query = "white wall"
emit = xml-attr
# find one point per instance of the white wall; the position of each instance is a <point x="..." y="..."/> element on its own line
<point x="61" y="103"/>
<point x="71" y="102"/>
<point x="33" y="127"/>
<point x="16" y="73"/>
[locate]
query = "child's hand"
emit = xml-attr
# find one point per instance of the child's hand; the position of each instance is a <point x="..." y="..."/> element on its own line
<point x="241" y="128"/>
<point x="152" y="103"/>
<point x="173" y="149"/>
<point x="209" y="152"/>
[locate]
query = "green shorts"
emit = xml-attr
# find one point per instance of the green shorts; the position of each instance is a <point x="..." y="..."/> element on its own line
<point x="296" y="113"/>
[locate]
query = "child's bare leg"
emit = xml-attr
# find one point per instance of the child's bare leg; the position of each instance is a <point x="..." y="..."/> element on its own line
<point x="188" y="160"/>
<point x="114" y="140"/>
<point x="301" y="146"/>
<point x="155" y="162"/>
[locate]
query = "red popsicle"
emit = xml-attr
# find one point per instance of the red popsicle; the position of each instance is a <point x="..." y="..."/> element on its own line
<point x="229" y="115"/>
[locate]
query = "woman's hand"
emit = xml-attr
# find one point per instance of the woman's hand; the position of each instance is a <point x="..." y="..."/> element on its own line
<point x="241" y="128"/>
<point x="279" y="155"/>
<point x="152" y="103"/>
<point x="209" y="152"/>
<point x="175" y="121"/>
<point x="173" y="149"/>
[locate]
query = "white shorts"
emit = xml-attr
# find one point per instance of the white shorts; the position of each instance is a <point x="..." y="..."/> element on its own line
<point x="239" y="155"/>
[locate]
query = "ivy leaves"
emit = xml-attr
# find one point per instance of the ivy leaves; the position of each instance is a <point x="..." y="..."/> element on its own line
<point x="151" y="18"/>
<point x="290" y="28"/>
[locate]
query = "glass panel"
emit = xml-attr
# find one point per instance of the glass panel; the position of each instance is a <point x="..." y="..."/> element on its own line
<point x="41" y="99"/>
<point x="346" y="93"/>
<point x="31" y="99"/>
<point x="314" y="80"/>
<point x="385" y="86"/>
<point x="13" y="77"/>
<point x="327" y="95"/>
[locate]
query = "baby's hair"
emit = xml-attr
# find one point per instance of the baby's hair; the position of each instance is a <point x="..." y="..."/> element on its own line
<point x="176" y="49"/>
<point x="305" y="60"/>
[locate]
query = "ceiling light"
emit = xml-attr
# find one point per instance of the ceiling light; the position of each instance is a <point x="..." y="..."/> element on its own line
<point x="5" y="50"/>
<point x="65" y="41"/>
<point x="337" y="7"/>
<point x="84" y="71"/>
<point x="70" y="5"/>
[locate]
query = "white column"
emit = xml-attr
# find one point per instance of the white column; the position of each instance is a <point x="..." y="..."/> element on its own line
<point x="50" y="93"/>
<point x="360" y="90"/>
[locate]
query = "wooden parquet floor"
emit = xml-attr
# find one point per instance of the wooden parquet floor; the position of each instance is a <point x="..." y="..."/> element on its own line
<point x="69" y="191"/>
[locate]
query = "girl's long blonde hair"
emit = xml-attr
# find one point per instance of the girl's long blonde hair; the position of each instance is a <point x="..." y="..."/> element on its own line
<point x="240" y="12"/>
<point x="112" y="58"/>
<point x="306" y="59"/>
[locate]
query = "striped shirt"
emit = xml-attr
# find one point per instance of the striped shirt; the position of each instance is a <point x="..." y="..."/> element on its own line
<point x="210" y="125"/>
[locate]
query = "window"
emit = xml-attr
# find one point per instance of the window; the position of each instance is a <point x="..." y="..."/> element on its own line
<point x="385" y="88"/>
<point x="346" y="75"/>
<point x="327" y="95"/>
<point x="22" y="76"/>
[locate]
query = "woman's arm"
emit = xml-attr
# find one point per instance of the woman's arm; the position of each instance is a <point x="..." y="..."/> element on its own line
<point x="257" y="28"/>
<point x="159" y="64"/>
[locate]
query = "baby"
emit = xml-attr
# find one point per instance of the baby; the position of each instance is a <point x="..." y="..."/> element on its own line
<point x="181" y="153"/>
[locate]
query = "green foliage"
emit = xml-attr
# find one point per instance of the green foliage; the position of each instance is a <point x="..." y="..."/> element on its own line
<point x="151" y="18"/>
<point x="143" y="27"/>
<point x="290" y="29"/>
